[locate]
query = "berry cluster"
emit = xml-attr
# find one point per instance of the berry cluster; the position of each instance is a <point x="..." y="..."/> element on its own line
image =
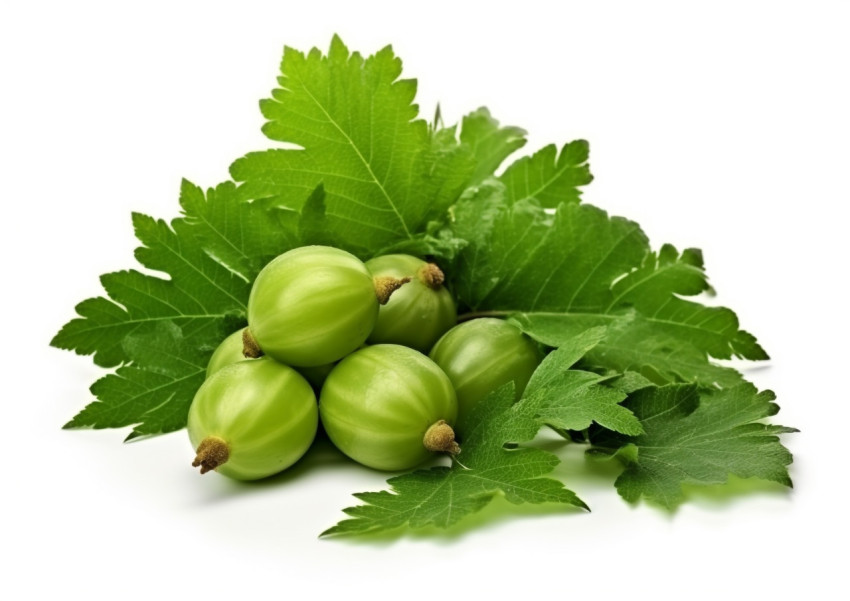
<point x="323" y="323"/>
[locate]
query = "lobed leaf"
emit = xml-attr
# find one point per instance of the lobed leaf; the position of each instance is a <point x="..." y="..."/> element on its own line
<point x="212" y="255"/>
<point x="356" y="132"/>
<point x="490" y="144"/>
<point x="697" y="437"/>
<point x="584" y="268"/>
<point x="154" y="398"/>
<point x="549" y="177"/>
<point x="632" y="344"/>
<point x="571" y="399"/>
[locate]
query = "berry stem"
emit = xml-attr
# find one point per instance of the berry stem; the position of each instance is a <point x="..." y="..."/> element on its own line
<point x="432" y="276"/>
<point x="212" y="452"/>
<point x="250" y="348"/>
<point x="440" y="438"/>
<point x="386" y="285"/>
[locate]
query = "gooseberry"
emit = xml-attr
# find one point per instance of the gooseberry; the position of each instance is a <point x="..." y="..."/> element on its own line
<point x="389" y="407"/>
<point x="229" y="351"/>
<point x="418" y="313"/>
<point x="252" y="419"/>
<point x="483" y="354"/>
<point x="313" y="305"/>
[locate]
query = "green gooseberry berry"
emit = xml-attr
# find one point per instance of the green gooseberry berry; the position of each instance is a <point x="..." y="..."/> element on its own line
<point x="313" y="305"/>
<point x="418" y="313"/>
<point x="229" y="351"/>
<point x="483" y="354"/>
<point x="252" y="419"/>
<point x="389" y="407"/>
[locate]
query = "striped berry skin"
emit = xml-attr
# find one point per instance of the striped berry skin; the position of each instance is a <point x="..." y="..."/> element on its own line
<point x="252" y="419"/>
<point x="483" y="354"/>
<point x="378" y="404"/>
<point x="312" y="305"/>
<point x="419" y="312"/>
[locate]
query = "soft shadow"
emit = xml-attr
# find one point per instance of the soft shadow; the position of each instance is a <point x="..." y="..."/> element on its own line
<point x="321" y="454"/>
<point x="720" y="496"/>
<point x="751" y="368"/>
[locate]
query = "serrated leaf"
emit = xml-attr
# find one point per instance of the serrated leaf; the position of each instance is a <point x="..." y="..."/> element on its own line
<point x="472" y="220"/>
<point x="490" y="143"/>
<point x="655" y="288"/>
<point x="211" y="256"/>
<point x="582" y="264"/>
<point x="312" y="222"/>
<point x="571" y="399"/>
<point x="238" y="234"/>
<point x="631" y="344"/>
<point x="697" y="437"/>
<point x="549" y="177"/>
<point x="155" y="399"/>
<point x="357" y="132"/>
<point x="443" y="496"/>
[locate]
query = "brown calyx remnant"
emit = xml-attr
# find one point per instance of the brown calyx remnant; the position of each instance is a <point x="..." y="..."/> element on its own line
<point x="212" y="452"/>
<point x="440" y="438"/>
<point x="250" y="348"/>
<point x="385" y="286"/>
<point x="432" y="276"/>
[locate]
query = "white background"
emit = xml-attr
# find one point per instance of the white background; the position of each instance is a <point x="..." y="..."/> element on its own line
<point x="721" y="125"/>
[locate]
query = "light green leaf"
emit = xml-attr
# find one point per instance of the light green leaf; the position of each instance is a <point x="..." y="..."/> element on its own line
<point x="356" y="129"/>
<point x="548" y="177"/>
<point x="490" y="143"/>
<point x="211" y="257"/>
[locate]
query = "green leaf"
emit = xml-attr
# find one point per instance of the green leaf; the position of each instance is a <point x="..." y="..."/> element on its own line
<point x="443" y="496"/>
<point x="312" y="222"/>
<point x="211" y="256"/>
<point x="697" y="437"/>
<point x="548" y="177"/>
<point x="632" y="344"/>
<point x="490" y="143"/>
<point x="565" y="262"/>
<point x="582" y="264"/>
<point x="571" y="399"/>
<point x="472" y="220"/>
<point x="655" y="288"/>
<point x="155" y="399"/>
<point x="356" y="130"/>
<point x="239" y="234"/>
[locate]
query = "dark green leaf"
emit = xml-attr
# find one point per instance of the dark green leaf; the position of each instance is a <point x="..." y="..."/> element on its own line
<point x="697" y="437"/>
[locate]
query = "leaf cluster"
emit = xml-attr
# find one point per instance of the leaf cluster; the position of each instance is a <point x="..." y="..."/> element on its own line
<point x="631" y="368"/>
